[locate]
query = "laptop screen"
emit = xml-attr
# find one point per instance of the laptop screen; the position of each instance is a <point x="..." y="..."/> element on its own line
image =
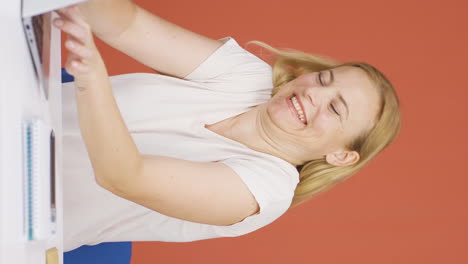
<point x="37" y="26"/>
<point x="37" y="30"/>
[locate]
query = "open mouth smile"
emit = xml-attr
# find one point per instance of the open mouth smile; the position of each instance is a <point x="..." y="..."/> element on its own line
<point x="296" y="106"/>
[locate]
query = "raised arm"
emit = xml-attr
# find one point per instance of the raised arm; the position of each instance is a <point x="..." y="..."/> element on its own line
<point x="149" y="39"/>
<point x="108" y="18"/>
<point x="203" y="192"/>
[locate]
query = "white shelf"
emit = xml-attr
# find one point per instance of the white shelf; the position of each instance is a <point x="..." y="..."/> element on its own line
<point x="21" y="99"/>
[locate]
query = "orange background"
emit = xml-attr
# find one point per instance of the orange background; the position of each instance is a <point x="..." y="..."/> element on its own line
<point x="410" y="204"/>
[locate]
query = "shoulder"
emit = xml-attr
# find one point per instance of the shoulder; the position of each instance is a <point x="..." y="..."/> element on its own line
<point x="269" y="178"/>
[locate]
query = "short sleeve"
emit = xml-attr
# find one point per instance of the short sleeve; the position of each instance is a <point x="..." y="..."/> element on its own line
<point x="233" y="68"/>
<point x="273" y="187"/>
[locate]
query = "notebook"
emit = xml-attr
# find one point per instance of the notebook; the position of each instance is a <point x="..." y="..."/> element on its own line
<point x="39" y="207"/>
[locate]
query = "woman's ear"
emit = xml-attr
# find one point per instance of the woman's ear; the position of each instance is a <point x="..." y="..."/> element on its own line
<point x="342" y="158"/>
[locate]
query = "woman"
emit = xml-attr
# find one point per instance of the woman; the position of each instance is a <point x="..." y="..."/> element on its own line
<point x="218" y="145"/>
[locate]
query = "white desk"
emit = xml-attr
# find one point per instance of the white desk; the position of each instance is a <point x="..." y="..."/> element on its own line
<point x="20" y="100"/>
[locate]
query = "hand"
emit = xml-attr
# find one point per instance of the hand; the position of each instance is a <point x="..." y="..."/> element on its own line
<point x="84" y="61"/>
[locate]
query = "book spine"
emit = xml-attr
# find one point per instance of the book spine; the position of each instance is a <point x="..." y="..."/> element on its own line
<point x="37" y="156"/>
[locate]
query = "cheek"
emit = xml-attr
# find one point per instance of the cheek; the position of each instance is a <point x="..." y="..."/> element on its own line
<point x="324" y="123"/>
<point x="306" y="79"/>
<point x="328" y="134"/>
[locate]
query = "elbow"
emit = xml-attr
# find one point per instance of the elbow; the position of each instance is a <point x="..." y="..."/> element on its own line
<point x="120" y="182"/>
<point x="119" y="173"/>
<point x="109" y="187"/>
<point x="101" y="182"/>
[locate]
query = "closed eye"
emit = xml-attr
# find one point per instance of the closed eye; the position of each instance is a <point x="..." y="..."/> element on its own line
<point x="321" y="80"/>
<point x="334" y="109"/>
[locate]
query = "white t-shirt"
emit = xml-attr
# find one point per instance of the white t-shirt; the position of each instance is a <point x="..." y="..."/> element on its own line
<point x="167" y="116"/>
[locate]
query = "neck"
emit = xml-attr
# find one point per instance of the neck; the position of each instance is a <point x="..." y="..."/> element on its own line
<point x="250" y="130"/>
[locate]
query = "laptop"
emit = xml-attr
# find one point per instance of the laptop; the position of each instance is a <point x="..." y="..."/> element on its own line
<point x="37" y="25"/>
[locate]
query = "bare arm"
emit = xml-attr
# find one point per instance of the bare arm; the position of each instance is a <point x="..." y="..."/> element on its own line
<point x="108" y="18"/>
<point x="149" y="39"/>
<point x="203" y="192"/>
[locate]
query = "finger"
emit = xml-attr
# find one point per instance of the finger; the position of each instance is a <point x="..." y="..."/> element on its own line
<point x="73" y="29"/>
<point x="79" y="67"/>
<point x="75" y="66"/>
<point x="73" y="13"/>
<point x="62" y="13"/>
<point x="71" y="57"/>
<point x="78" y="49"/>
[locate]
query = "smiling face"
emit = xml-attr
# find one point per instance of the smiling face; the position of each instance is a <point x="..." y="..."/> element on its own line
<point x="338" y="105"/>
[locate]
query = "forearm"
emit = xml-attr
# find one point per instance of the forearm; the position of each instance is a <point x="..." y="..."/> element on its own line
<point x="108" y="18"/>
<point x="111" y="149"/>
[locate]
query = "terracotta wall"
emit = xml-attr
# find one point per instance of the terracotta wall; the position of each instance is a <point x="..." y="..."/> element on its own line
<point x="409" y="204"/>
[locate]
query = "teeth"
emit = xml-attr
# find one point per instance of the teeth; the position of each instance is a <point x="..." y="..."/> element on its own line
<point x="298" y="109"/>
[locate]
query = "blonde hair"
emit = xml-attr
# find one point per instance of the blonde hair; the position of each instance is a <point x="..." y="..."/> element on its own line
<point x="317" y="176"/>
